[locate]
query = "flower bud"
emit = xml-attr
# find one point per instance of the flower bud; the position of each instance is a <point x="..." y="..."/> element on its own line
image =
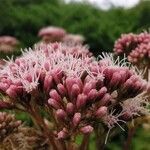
<point x="61" y="114"/>
<point x="81" y="101"/>
<point x="11" y="91"/>
<point x="116" y="77"/>
<point x="62" y="90"/>
<point x="92" y="95"/>
<point x="76" y="119"/>
<point x="48" y="82"/>
<point x="127" y="84"/>
<point x="54" y="103"/>
<point x="75" y="90"/>
<point x="105" y="100"/>
<point x="108" y="73"/>
<point x="54" y="94"/>
<point x="102" y="111"/>
<point x="57" y="75"/>
<point x="70" y="108"/>
<point x="87" y="129"/>
<point x="79" y="83"/>
<point x="62" y="134"/>
<point x="69" y="82"/>
<point x="124" y="75"/>
<point x="87" y="88"/>
<point x="102" y="92"/>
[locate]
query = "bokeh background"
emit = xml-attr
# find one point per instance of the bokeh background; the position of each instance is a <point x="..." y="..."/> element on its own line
<point x="101" y="22"/>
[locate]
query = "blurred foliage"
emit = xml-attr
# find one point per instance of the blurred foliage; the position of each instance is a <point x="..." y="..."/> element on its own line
<point x="23" y="19"/>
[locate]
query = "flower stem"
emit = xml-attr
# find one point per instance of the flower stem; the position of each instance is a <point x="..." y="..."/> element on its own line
<point x="39" y="121"/>
<point x="127" y="145"/>
<point x="85" y="142"/>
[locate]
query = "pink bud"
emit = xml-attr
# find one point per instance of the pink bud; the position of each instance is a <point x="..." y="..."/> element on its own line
<point x="105" y="100"/>
<point x="81" y="101"/>
<point x="69" y="83"/>
<point x="108" y="73"/>
<point x="48" y="82"/>
<point x="79" y="82"/>
<point x="54" y="103"/>
<point x="87" y="88"/>
<point x="54" y="94"/>
<point x="62" y="90"/>
<point x="62" y="134"/>
<point x="124" y="75"/>
<point x="92" y="95"/>
<point x="102" y="111"/>
<point x="115" y="80"/>
<point x="75" y="90"/>
<point x="76" y="119"/>
<point x="70" y="108"/>
<point x="87" y="129"/>
<point x="3" y="86"/>
<point x="57" y="75"/>
<point x="102" y="92"/>
<point x="61" y="114"/>
<point x="11" y="91"/>
<point x="127" y="84"/>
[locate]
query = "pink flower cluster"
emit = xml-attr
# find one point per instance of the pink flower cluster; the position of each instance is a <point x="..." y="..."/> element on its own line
<point x="73" y="39"/>
<point x="79" y="91"/>
<point x="136" y="46"/>
<point x="52" y="34"/>
<point x="79" y="50"/>
<point x="8" y="43"/>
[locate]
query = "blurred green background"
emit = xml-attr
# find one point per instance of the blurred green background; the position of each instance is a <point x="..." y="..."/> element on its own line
<point x="24" y="18"/>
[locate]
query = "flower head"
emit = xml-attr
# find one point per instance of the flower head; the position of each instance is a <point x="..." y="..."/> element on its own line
<point x="78" y="89"/>
<point x="135" y="46"/>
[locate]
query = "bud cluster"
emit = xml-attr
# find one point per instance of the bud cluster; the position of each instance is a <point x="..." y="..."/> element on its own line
<point x="8" y="125"/>
<point x="136" y="46"/>
<point x="14" y="135"/>
<point x="8" y="43"/>
<point x="73" y="39"/>
<point x="52" y="34"/>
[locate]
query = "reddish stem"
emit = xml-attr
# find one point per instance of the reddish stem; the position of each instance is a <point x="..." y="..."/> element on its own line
<point x="40" y="122"/>
<point x="85" y="142"/>
<point x="127" y="145"/>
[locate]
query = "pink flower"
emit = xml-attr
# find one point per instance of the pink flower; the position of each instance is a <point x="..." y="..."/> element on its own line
<point x="135" y="46"/>
<point x="8" y="43"/>
<point x="73" y="39"/>
<point x="52" y="34"/>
